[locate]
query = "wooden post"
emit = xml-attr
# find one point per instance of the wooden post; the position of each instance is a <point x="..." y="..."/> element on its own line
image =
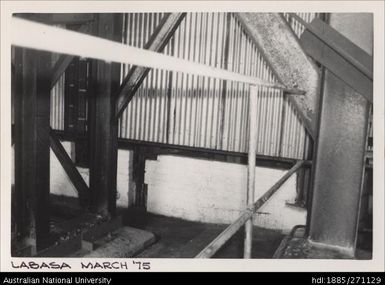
<point x="43" y="147"/>
<point x="25" y="143"/>
<point x="251" y="168"/>
<point x="139" y="162"/>
<point x="76" y="96"/>
<point x="32" y="110"/>
<point x="103" y="123"/>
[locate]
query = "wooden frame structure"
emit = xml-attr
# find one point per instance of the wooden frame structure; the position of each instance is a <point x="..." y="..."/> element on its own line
<point x="34" y="136"/>
<point x="106" y="107"/>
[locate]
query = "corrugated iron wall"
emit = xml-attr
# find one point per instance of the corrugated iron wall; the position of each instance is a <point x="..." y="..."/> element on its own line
<point x="146" y="117"/>
<point x="197" y="111"/>
<point x="297" y="27"/>
<point x="57" y="101"/>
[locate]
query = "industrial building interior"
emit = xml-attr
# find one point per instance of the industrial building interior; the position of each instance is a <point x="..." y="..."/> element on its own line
<point x="192" y="135"/>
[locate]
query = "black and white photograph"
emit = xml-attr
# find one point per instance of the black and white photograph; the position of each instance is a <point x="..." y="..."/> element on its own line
<point x="133" y="133"/>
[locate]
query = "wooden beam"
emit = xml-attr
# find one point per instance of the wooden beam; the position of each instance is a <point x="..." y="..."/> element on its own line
<point x="70" y="168"/>
<point x="212" y="154"/>
<point x="82" y="156"/>
<point x="103" y="124"/>
<point x="138" y="172"/>
<point x="43" y="97"/>
<point x="71" y="96"/>
<point x="25" y="146"/>
<point x="32" y="110"/>
<point x="158" y="40"/>
<point x="59" y="68"/>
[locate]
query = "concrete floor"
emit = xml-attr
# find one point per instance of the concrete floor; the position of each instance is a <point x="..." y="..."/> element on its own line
<point x="174" y="238"/>
<point x="177" y="238"/>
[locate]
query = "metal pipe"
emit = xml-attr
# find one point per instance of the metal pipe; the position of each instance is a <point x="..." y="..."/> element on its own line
<point x="217" y="243"/>
<point x="251" y="168"/>
<point x="247" y="216"/>
<point x="276" y="186"/>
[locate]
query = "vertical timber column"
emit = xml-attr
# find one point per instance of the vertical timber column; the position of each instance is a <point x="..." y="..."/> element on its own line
<point x="103" y="122"/>
<point x="43" y="147"/>
<point x="32" y="110"/>
<point x="251" y="169"/>
<point x="25" y="146"/>
<point x="339" y="164"/>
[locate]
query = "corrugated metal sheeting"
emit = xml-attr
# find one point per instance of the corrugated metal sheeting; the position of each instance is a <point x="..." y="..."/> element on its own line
<point x="297" y="27"/>
<point x="196" y="111"/>
<point x="203" y="112"/>
<point x="146" y="116"/>
<point x="57" y="101"/>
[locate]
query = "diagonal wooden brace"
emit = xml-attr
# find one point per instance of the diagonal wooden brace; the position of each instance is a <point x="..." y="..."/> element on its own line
<point x="70" y="169"/>
<point x="137" y="74"/>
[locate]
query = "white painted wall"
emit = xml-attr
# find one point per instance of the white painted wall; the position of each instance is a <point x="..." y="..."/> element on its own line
<point x="195" y="189"/>
<point x="124" y="178"/>
<point x="214" y="192"/>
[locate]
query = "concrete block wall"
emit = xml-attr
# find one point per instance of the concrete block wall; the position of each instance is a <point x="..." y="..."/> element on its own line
<point x="214" y="192"/>
<point x="195" y="189"/>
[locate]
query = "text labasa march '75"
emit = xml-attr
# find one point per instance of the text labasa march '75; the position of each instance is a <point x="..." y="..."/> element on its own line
<point x="106" y="265"/>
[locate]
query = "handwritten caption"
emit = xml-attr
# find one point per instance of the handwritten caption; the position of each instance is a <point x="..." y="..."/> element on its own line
<point x="89" y="265"/>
